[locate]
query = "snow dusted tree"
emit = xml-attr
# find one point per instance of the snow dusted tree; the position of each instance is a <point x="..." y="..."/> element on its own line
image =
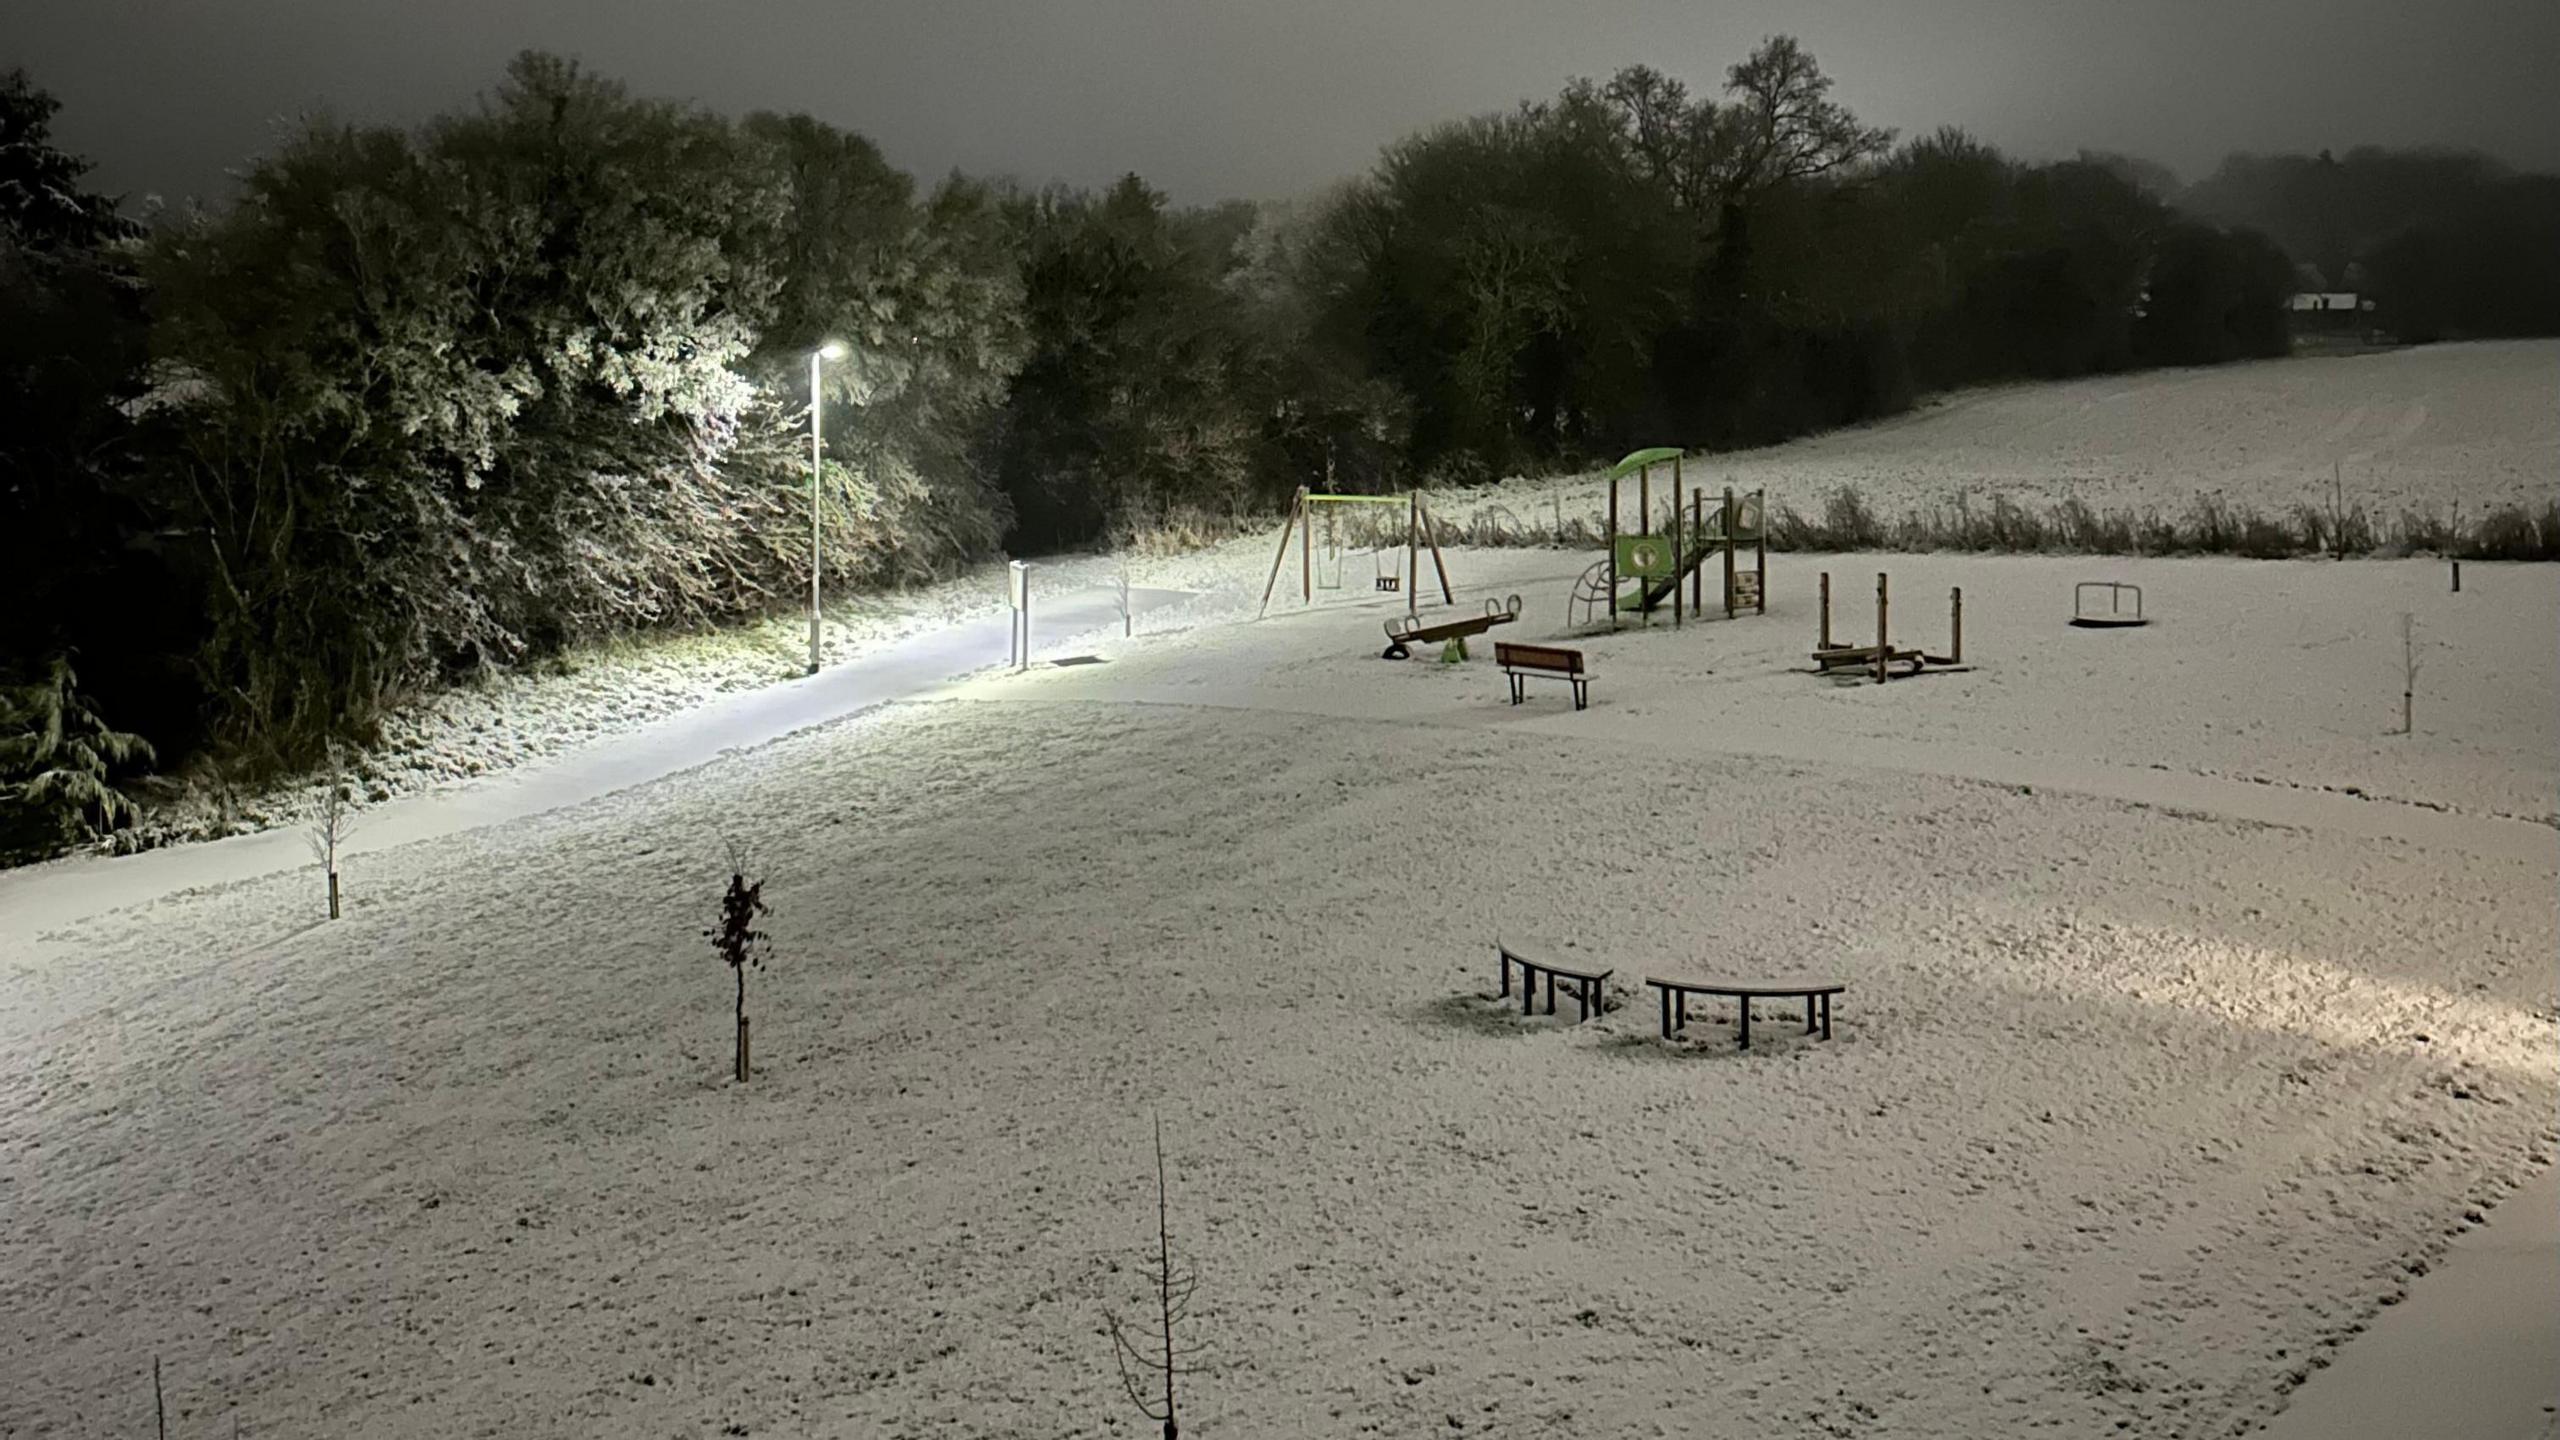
<point x="56" y="757"/>
<point x="1149" y="1362"/>
<point x="736" y="938"/>
<point x="334" y="823"/>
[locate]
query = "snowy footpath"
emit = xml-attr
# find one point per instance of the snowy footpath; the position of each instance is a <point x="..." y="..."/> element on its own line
<point x="43" y="897"/>
<point x="2194" y="1016"/>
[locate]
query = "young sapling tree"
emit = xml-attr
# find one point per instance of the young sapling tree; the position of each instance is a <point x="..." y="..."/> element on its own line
<point x="1120" y="597"/>
<point x="2408" y="673"/>
<point x="737" y="940"/>
<point x="334" y="824"/>
<point x="1149" y="1363"/>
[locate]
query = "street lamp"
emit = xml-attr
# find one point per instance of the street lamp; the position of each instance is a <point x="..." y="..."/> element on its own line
<point x="832" y="350"/>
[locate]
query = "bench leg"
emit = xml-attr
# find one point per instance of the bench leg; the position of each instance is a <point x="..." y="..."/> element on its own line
<point x="1528" y="987"/>
<point x="1745" y="1003"/>
<point x="1581" y="694"/>
<point x="1826" y="1017"/>
<point x="1504" y="960"/>
<point x="1551" y="992"/>
<point x="1515" y="688"/>
<point x="1808" y="1014"/>
<point x="1666" y="1014"/>
<point x="1679" y="1008"/>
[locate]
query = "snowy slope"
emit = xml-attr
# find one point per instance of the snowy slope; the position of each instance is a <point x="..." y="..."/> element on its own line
<point x="2417" y="430"/>
<point x="2167" y="1058"/>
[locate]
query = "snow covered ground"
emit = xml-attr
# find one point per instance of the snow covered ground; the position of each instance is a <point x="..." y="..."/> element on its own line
<point x="544" y="711"/>
<point x="2190" y="1013"/>
<point x="2415" y="430"/>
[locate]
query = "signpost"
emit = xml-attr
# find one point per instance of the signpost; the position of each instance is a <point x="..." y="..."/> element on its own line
<point x="1018" y="593"/>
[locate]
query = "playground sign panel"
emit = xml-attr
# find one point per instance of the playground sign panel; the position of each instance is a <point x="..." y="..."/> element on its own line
<point x="1644" y="556"/>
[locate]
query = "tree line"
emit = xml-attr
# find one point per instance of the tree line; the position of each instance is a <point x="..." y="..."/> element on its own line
<point x="2452" y="244"/>
<point x="423" y="401"/>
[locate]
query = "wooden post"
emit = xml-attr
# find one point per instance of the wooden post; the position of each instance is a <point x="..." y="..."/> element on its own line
<point x="1955" y="624"/>
<point x="1431" y="536"/>
<point x="1680" y="577"/>
<point x="1728" y="552"/>
<point x="1697" y="523"/>
<point x="1760" y="540"/>
<point x="1296" y="506"/>
<point x="1825" y="642"/>
<point x="1613" y="552"/>
<point x="1307" y="553"/>
<point x="2457" y="577"/>
<point x="1883" y="647"/>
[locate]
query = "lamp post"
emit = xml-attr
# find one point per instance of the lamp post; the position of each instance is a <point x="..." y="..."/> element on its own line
<point x="832" y="350"/>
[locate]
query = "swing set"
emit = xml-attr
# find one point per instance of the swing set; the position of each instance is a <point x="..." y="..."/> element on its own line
<point x="1320" y="562"/>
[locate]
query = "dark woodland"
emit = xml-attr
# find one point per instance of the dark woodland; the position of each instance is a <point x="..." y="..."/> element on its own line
<point x="423" y="402"/>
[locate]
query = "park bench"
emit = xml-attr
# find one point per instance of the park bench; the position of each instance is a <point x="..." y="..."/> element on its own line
<point x="1675" y="1002"/>
<point x="1588" y="992"/>
<point x="1519" y="662"/>
<point x="1404" y="631"/>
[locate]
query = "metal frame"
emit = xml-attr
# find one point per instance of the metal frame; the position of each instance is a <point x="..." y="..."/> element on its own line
<point x="2115" y="618"/>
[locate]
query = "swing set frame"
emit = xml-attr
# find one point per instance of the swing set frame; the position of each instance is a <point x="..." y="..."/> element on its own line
<point x="1419" y="534"/>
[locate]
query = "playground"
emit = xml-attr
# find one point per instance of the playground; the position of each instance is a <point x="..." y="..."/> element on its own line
<point x="2187" y="1009"/>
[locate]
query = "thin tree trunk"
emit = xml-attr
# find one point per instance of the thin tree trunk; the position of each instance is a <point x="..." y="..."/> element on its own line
<point x="1164" y="1292"/>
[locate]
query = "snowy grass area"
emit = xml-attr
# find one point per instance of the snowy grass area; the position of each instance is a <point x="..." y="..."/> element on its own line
<point x="2416" y="430"/>
<point x="526" y="716"/>
<point x="2190" y="1012"/>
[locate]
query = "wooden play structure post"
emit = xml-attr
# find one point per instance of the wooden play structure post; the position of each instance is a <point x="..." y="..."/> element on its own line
<point x="1825" y="642"/>
<point x="1955" y="623"/>
<point x="1614" y="554"/>
<point x="1697" y="523"/>
<point x="1412" y="552"/>
<point x="1676" y="552"/>
<point x="1730" y="516"/>
<point x="1760" y="554"/>
<point x="1884" y="650"/>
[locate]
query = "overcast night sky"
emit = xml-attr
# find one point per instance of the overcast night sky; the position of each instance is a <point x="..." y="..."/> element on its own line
<point x="1210" y="99"/>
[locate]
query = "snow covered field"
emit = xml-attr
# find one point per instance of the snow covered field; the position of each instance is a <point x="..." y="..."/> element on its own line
<point x="2417" y="430"/>
<point x="2190" y="1011"/>
<point x="2412" y="430"/>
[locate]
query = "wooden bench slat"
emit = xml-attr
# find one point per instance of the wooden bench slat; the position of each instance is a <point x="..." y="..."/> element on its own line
<point x="1718" y="987"/>
<point x="1554" y="658"/>
<point x="1675" y="1001"/>
<point x="1516" y="958"/>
